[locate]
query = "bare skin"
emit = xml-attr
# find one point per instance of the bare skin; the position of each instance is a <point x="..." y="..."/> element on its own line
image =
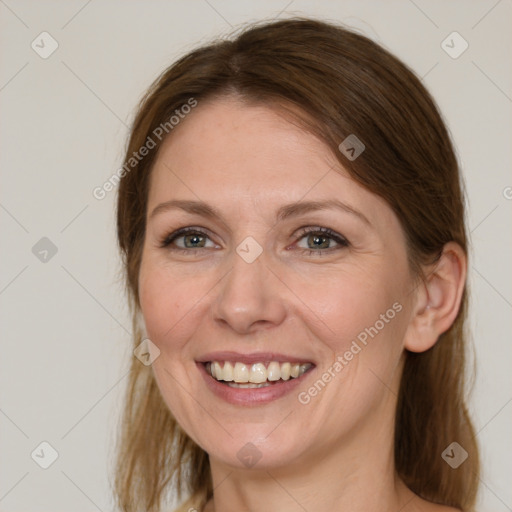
<point x="304" y="295"/>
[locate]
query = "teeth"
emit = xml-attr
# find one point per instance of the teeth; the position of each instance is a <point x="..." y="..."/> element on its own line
<point x="274" y="371"/>
<point x="248" y="385"/>
<point x="241" y="373"/>
<point x="256" y="375"/>
<point x="285" y="371"/>
<point x="217" y="370"/>
<point x="227" y="372"/>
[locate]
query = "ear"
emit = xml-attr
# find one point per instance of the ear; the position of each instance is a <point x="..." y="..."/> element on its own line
<point x="437" y="300"/>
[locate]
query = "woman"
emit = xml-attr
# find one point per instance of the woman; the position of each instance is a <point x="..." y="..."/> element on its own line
<point x="292" y="226"/>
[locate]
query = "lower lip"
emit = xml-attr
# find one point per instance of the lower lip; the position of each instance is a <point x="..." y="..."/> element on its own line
<point x="250" y="396"/>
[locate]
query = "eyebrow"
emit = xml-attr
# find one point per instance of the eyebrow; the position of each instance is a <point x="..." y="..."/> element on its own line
<point x="284" y="212"/>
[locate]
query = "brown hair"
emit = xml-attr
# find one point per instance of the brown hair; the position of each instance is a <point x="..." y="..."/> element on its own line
<point x="342" y="83"/>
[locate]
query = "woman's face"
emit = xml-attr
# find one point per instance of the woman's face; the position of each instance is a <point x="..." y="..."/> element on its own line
<point x="291" y="276"/>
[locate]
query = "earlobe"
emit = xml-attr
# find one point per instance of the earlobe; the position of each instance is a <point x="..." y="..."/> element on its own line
<point x="438" y="299"/>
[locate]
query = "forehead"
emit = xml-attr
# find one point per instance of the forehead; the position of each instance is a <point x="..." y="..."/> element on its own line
<point x="234" y="153"/>
<point x="227" y="133"/>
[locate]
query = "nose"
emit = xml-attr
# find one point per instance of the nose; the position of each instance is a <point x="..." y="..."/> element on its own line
<point x="249" y="297"/>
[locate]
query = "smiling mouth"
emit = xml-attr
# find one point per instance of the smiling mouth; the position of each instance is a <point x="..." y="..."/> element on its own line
<point x="257" y="375"/>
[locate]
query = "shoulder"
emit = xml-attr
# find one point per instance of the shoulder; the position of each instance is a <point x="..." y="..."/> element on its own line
<point x="428" y="506"/>
<point x="418" y="504"/>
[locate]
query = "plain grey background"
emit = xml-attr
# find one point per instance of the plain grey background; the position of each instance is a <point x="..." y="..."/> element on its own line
<point x="65" y="344"/>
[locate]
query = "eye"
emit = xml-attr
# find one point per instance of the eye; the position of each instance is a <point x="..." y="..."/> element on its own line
<point x="186" y="239"/>
<point x="319" y="240"/>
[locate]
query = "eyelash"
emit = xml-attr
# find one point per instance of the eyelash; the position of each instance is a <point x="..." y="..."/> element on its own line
<point x="326" y="232"/>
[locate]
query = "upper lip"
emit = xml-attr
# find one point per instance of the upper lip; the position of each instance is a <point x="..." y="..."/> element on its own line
<point x="254" y="357"/>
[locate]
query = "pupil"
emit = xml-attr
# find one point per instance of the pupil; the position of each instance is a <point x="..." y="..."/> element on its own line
<point x="317" y="241"/>
<point x="193" y="239"/>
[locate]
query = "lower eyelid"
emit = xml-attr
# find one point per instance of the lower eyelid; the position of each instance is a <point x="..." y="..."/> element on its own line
<point x="340" y="245"/>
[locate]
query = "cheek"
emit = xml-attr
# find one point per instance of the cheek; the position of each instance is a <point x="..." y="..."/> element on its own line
<point x="165" y="301"/>
<point x="354" y="305"/>
<point x="168" y="305"/>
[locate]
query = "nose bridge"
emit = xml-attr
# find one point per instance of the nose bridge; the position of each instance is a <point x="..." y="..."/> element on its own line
<point x="249" y="293"/>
